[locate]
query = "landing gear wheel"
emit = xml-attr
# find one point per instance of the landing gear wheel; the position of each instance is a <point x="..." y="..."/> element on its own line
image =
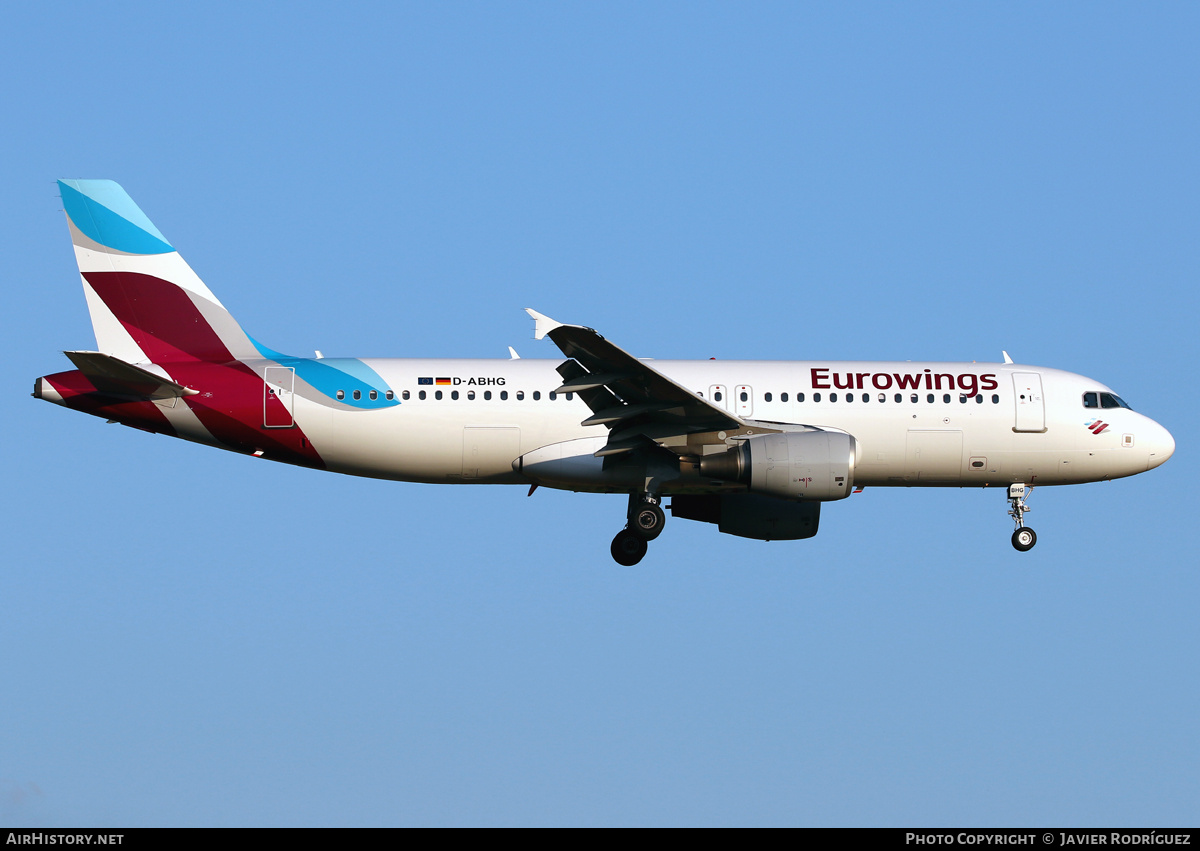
<point x="648" y="521"/>
<point x="1024" y="539"/>
<point x="628" y="548"/>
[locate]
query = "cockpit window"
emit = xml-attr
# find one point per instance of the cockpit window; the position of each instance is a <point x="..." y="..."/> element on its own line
<point x="1091" y="400"/>
<point x="1112" y="400"/>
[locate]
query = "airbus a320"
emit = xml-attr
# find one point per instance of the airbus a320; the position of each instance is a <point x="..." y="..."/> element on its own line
<point x="755" y="447"/>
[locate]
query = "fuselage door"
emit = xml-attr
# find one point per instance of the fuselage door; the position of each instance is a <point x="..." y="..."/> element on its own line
<point x="743" y="400"/>
<point x="1031" y="409"/>
<point x="278" y="384"/>
<point x="719" y="395"/>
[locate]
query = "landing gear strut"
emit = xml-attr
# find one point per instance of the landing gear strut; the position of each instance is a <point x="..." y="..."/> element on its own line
<point x="1023" y="538"/>
<point x="645" y="523"/>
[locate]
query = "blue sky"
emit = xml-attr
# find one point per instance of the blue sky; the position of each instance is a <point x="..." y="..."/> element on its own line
<point x="195" y="638"/>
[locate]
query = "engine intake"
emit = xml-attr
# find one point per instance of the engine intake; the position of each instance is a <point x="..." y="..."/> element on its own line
<point x="810" y="465"/>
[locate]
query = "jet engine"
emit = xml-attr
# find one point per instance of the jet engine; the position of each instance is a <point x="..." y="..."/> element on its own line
<point x="809" y="465"/>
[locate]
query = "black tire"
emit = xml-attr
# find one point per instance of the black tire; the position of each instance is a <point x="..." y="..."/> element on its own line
<point x="1023" y="539"/>
<point x="648" y="521"/>
<point x="628" y="548"/>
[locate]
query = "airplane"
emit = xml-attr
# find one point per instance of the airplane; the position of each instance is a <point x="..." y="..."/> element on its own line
<point x="754" y="447"/>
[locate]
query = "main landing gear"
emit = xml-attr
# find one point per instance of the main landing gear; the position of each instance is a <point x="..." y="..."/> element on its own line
<point x="646" y="521"/>
<point x="1023" y="538"/>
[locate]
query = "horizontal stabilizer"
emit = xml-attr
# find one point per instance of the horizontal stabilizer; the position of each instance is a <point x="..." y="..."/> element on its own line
<point x="113" y="375"/>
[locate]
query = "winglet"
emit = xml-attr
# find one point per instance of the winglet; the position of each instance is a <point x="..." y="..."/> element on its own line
<point x="542" y="324"/>
<point x="1007" y="359"/>
<point x="512" y="354"/>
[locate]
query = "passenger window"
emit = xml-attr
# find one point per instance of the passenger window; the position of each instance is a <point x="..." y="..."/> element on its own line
<point x="800" y="397"/>
<point x="570" y="396"/>
<point x="357" y="395"/>
<point x="914" y="397"/>
<point x="744" y="397"/>
<point x="537" y="395"/>
<point x="406" y="395"/>
<point x="832" y="397"/>
<point x="899" y="397"/>
<point x="437" y="394"/>
<point x="520" y="395"/>
<point x="470" y="395"/>
<point x="553" y="395"/>
<point x="995" y="398"/>
<point x="421" y="394"/>
<point x="389" y="395"/>
<point x="487" y="395"/>
<point x="341" y="394"/>
<point x="882" y="397"/>
<point x="717" y="396"/>
<point x="782" y="397"/>
<point x="373" y="395"/>
<point x="503" y="395"/>
<point x="816" y="397"/>
<point x="867" y="397"/>
<point x="1091" y="400"/>
<point x="849" y="397"/>
<point x="962" y="397"/>
<point x="929" y="398"/>
<point x="946" y="397"/>
<point x="766" y="397"/>
<point x="978" y="398"/>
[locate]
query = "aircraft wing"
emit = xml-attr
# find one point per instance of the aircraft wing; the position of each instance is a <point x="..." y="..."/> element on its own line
<point x="635" y="401"/>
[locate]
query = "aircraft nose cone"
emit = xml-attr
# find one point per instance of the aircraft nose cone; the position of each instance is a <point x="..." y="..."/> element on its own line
<point x="1162" y="446"/>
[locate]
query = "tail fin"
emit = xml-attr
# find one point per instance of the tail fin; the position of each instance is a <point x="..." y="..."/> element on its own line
<point x="146" y="303"/>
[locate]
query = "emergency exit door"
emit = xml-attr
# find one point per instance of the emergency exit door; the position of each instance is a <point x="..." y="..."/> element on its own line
<point x="743" y="400"/>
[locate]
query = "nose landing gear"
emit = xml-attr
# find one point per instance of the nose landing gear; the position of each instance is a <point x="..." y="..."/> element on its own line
<point x="1023" y="538"/>
<point x="646" y="521"/>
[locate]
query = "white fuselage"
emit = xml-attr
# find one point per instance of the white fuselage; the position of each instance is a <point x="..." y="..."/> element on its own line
<point x="963" y="424"/>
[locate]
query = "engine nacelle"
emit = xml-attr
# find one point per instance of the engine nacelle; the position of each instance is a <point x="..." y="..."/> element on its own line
<point x="808" y="465"/>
